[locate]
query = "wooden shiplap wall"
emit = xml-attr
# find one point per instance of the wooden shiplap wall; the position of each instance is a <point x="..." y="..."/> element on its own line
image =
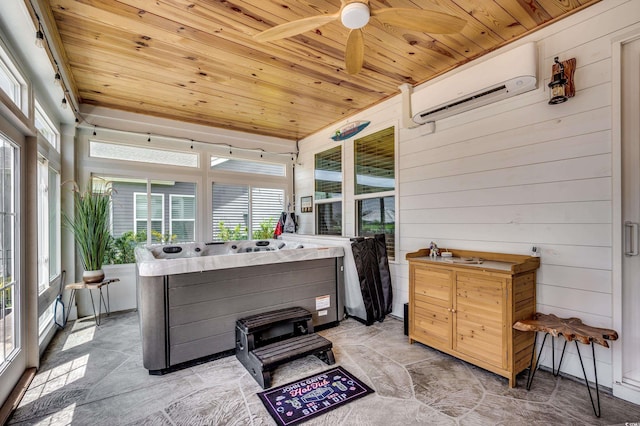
<point x="515" y="174"/>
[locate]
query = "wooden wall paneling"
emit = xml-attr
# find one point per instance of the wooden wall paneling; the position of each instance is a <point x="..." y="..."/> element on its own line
<point x="571" y="148"/>
<point x="586" y="32"/>
<point x="415" y="152"/>
<point x="586" y="317"/>
<point x="547" y="192"/>
<point x="503" y="116"/>
<point x="597" y="257"/>
<point x="556" y="234"/>
<point x="596" y="211"/>
<point x="571" y="256"/>
<point x="557" y="170"/>
<point x="577" y="300"/>
<point x="587" y="279"/>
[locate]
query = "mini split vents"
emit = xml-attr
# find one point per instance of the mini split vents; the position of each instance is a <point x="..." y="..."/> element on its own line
<point x="498" y="78"/>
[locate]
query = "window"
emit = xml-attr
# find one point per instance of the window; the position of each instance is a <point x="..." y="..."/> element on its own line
<point x="375" y="162"/>
<point x="114" y="151"/>
<point x="173" y="214"/>
<point x="374" y="157"/>
<point x="157" y="213"/>
<point x="241" y="210"/>
<point x="247" y="166"/>
<point x="46" y="128"/>
<point x="11" y="81"/>
<point x="328" y="191"/>
<point x="9" y="283"/>
<point x="377" y="216"/>
<point x="329" y="218"/>
<point x="48" y="224"/>
<point x="230" y="212"/>
<point x="183" y="217"/>
<point x="266" y="206"/>
<point x="9" y="84"/>
<point x="328" y="174"/>
<point x="45" y="320"/>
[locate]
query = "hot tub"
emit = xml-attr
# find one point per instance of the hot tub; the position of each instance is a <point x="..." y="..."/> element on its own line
<point x="190" y="295"/>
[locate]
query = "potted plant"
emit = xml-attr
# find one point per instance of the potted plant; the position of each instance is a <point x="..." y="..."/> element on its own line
<point x="90" y="227"/>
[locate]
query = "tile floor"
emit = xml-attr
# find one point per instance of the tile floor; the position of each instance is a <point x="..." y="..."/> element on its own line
<point x="94" y="376"/>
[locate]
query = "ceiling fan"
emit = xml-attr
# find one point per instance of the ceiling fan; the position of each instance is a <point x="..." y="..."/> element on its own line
<point x="355" y="14"/>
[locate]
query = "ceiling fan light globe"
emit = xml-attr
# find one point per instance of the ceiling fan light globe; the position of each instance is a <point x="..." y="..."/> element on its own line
<point x="355" y="15"/>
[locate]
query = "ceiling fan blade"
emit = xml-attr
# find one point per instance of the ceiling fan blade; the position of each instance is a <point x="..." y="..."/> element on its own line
<point x="427" y="21"/>
<point x="354" y="53"/>
<point x="292" y="28"/>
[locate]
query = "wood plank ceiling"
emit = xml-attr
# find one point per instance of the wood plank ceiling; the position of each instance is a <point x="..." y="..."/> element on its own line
<point x="196" y="60"/>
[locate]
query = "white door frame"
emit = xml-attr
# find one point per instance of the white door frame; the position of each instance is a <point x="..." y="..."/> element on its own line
<point x="620" y="389"/>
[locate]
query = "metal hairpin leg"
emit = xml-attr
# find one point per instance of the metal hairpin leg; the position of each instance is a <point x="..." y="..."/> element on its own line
<point x="71" y="297"/>
<point x="556" y="372"/>
<point x="532" y="367"/>
<point x="586" y="382"/>
<point x="101" y="302"/>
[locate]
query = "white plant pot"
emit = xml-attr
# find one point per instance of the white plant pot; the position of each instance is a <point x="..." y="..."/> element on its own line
<point x="93" y="276"/>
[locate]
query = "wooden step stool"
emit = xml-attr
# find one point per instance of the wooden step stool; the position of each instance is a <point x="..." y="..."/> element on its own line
<point x="268" y="340"/>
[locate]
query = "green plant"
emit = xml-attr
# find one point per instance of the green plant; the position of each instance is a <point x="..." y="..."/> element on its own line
<point x="228" y="234"/>
<point x="157" y="237"/>
<point x="267" y="228"/>
<point x="90" y="224"/>
<point x="122" y="249"/>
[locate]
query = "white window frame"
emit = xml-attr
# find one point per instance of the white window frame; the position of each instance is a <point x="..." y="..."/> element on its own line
<point x="43" y="225"/>
<point x="45" y="322"/>
<point x="14" y="92"/>
<point x="251" y="205"/>
<point x="50" y="133"/>
<point x="129" y="153"/>
<point x="49" y="274"/>
<point x="250" y="187"/>
<point x="147" y="220"/>
<point x="340" y="199"/>
<point x="20" y="95"/>
<point x="16" y="283"/>
<point x="215" y="160"/>
<point x="171" y="218"/>
<point x="382" y="194"/>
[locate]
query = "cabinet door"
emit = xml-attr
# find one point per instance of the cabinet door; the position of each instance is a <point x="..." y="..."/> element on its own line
<point x="433" y="285"/>
<point x="479" y="319"/>
<point x="432" y="302"/>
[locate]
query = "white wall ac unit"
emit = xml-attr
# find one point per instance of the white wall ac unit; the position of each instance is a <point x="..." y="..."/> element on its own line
<point x="497" y="78"/>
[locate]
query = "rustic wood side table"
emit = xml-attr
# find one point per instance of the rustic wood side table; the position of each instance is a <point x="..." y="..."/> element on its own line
<point x="570" y="329"/>
<point x="92" y="286"/>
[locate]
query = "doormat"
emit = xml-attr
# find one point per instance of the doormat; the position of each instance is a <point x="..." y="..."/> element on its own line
<point x="301" y="400"/>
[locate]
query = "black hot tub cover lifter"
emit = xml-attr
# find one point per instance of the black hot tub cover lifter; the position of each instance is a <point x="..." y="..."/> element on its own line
<point x="372" y="264"/>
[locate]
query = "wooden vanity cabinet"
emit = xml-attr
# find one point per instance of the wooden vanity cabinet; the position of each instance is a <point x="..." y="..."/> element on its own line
<point x="467" y="310"/>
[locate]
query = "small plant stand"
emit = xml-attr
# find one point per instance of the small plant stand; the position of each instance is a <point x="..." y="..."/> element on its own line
<point x="92" y="286"/>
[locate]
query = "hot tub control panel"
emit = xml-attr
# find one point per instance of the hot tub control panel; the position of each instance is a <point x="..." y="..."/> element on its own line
<point x="256" y="246"/>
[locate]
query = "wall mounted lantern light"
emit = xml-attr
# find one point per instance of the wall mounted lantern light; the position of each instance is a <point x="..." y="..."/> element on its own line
<point x="562" y="85"/>
<point x="558" y="85"/>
